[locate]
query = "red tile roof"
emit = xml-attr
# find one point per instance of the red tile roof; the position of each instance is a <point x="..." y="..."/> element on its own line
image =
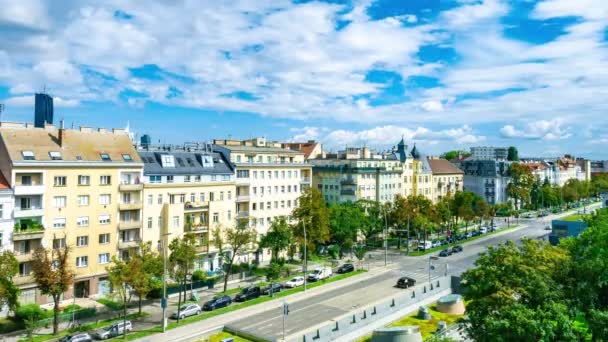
<point x="443" y="167"/>
<point x="3" y="183"/>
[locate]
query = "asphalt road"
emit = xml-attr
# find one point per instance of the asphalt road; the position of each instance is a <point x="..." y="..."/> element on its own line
<point x="320" y="308"/>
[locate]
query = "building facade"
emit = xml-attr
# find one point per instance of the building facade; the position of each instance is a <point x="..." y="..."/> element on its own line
<point x="71" y="187"/>
<point x="447" y="178"/>
<point x="487" y="178"/>
<point x="188" y="190"/>
<point x="489" y="153"/>
<point x="7" y="202"/>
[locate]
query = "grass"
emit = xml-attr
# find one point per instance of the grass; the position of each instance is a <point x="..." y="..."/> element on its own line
<point x="110" y="304"/>
<point x="574" y="217"/>
<point x="426" y="327"/>
<point x="440" y="248"/>
<point x="219" y="337"/>
<point x="237" y="306"/>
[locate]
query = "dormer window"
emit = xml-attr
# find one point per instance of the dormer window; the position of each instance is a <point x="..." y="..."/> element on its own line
<point x="167" y="160"/>
<point x="127" y="157"/>
<point x="55" y="155"/>
<point x="28" y="155"/>
<point x="105" y="157"/>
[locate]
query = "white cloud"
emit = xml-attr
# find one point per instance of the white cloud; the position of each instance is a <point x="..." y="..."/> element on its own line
<point x="432" y="106"/>
<point x="542" y="130"/>
<point x="28" y="101"/>
<point x="590" y="9"/>
<point x="306" y="133"/>
<point x="27" y="13"/>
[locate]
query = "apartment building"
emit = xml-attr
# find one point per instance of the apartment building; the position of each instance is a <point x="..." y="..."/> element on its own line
<point x="188" y="189"/>
<point x="7" y="201"/>
<point x="269" y="179"/>
<point x="489" y="153"/>
<point x="487" y="178"/>
<point x="447" y="178"/>
<point x="71" y="187"/>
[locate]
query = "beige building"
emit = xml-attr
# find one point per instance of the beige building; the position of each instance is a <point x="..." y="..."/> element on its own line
<point x="188" y="189"/>
<point x="269" y="180"/>
<point x="447" y="178"/>
<point x="71" y="187"/>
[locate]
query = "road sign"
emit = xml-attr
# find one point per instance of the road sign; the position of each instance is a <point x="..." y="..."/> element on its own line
<point x="285" y="308"/>
<point x="163" y="303"/>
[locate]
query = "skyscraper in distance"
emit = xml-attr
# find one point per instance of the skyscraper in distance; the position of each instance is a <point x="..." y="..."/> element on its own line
<point x="43" y="110"/>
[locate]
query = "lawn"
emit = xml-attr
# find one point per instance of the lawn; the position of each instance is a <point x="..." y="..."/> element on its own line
<point x="237" y="306"/>
<point x="574" y="217"/>
<point x="426" y="327"/>
<point x="219" y="337"/>
<point x="440" y="248"/>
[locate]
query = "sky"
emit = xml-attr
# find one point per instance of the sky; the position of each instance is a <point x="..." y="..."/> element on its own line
<point x="444" y="74"/>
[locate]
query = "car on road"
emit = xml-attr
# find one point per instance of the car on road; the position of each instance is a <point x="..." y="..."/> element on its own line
<point x="444" y="242"/>
<point x="446" y="252"/>
<point x="272" y="288"/>
<point x="405" y="282"/>
<point x="346" y="268"/>
<point x="468" y="235"/>
<point x="483" y="230"/>
<point x="320" y="274"/>
<point x="548" y="227"/>
<point x="113" y="330"/>
<point x="187" y="311"/>
<point x="295" y="282"/>
<point x="217" y="302"/>
<point x="457" y="249"/>
<point x="543" y="214"/>
<point x="248" y="293"/>
<point x="424" y="245"/>
<point x="436" y="243"/>
<point x="80" y="337"/>
<point x="529" y="215"/>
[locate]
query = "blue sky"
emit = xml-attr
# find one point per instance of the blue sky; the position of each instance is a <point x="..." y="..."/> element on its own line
<point x="442" y="73"/>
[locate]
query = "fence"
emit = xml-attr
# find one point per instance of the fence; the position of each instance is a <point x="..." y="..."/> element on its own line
<point x="66" y="317"/>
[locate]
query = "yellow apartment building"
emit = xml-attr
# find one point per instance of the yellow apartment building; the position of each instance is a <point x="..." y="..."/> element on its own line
<point x="79" y="188"/>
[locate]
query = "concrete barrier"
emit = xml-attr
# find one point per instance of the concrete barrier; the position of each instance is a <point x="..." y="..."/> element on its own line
<point x="358" y="319"/>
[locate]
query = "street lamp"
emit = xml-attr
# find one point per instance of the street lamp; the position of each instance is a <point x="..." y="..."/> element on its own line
<point x="305" y="256"/>
<point x="163" y="301"/>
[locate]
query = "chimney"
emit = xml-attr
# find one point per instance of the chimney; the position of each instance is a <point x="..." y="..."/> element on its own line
<point x="61" y="133"/>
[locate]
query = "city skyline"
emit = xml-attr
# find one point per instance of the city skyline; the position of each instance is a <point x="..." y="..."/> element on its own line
<point x="443" y="74"/>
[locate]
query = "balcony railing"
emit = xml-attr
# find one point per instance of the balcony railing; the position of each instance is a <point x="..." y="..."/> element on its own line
<point x="133" y="186"/>
<point x="133" y="243"/>
<point x="348" y="181"/>
<point x="347" y="192"/>
<point x="29" y="190"/>
<point x="305" y="180"/>
<point x="198" y="228"/>
<point x="242" y="214"/>
<point x="242" y="181"/>
<point x="23" y="279"/>
<point x="28" y="212"/>
<point x="133" y="205"/>
<point x="23" y="256"/>
<point x="196" y="206"/>
<point x="29" y="233"/>
<point x="132" y="224"/>
<point x="201" y="249"/>
<point x="242" y="198"/>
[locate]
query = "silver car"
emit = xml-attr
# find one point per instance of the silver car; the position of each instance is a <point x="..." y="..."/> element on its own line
<point x="82" y="337"/>
<point x="113" y="330"/>
<point x="187" y="311"/>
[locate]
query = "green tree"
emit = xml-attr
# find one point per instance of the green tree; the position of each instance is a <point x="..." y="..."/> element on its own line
<point x="359" y="251"/>
<point x="313" y="213"/>
<point x="372" y="224"/>
<point x="9" y="293"/>
<point x="238" y="239"/>
<point x="278" y="237"/>
<point x="344" y="222"/>
<point x="53" y="274"/>
<point x="517" y="294"/>
<point x="145" y="265"/>
<point x="453" y="154"/>
<point x="512" y="154"/>
<point x="181" y="263"/>
<point x="521" y="184"/>
<point x="119" y="275"/>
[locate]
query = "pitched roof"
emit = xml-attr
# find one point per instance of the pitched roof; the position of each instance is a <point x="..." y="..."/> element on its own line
<point x="186" y="163"/>
<point x="4" y="183"/>
<point x="72" y="145"/>
<point x="443" y="167"/>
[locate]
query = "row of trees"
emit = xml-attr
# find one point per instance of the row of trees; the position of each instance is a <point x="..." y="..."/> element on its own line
<point x="538" y="292"/>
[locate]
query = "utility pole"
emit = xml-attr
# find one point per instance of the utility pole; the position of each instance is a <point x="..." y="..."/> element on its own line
<point x="305" y="256"/>
<point x="285" y="313"/>
<point x="385" y="239"/>
<point x="163" y="301"/>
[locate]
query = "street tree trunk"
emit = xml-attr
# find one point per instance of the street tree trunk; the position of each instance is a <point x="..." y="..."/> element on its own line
<point x="55" y="314"/>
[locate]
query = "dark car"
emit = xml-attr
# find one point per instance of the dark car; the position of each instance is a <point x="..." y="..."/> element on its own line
<point x="248" y="293"/>
<point x="405" y="282"/>
<point x="217" y="302"/>
<point x="272" y="288"/>
<point x="476" y="233"/>
<point x="346" y="268"/>
<point x="457" y="249"/>
<point x="444" y="242"/>
<point x="444" y="253"/>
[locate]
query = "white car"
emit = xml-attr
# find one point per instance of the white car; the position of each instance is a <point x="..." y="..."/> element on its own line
<point x="319" y="274"/>
<point x="295" y="282"/>
<point x="483" y="230"/>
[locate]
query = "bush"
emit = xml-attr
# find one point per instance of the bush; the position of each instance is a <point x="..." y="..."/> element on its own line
<point x="8" y="325"/>
<point x="199" y="275"/>
<point x="70" y="308"/>
<point x="31" y="310"/>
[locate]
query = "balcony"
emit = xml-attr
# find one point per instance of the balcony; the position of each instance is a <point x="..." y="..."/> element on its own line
<point x="128" y="244"/>
<point x="199" y="228"/>
<point x="131" y="187"/>
<point x="29" y="190"/>
<point x="347" y="192"/>
<point x="28" y="212"/>
<point x="196" y="206"/>
<point x="242" y="198"/>
<point x="201" y="249"/>
<point x="348" y="181"/>
<point x="133" y="205"/>
<point x="242" y="214"/>
<point x="28" y="234"/>
<point x="243" y="181"/>
<point x="305" y="180"/>
<point x="20" y="279"/>
<point x="133" y="224"/>
<point x="23" y="256"/>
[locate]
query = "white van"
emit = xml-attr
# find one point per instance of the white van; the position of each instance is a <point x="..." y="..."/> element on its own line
<point x="424" y="245"/>
<point x="319" y="273"/>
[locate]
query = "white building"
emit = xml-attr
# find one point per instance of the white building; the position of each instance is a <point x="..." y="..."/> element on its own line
<point x="6" y="215"/>
<point x="489" y="153"/>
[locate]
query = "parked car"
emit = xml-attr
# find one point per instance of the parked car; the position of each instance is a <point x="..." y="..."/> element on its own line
<point x="405" y="282"/>
<point x="295" y="282"/>
<point x="346" y="268"/>
<point x="272" y="288"/>
<point x="80" y="337"/>
<point x="444" y="242"/>
<point x="436" y="243"/>
<point x="113" y="330"/>
<point x="248" y="293"/>
<point x="468" y="235"/>
<point x="444" y="253"/>
<point x="457" y="249"/>
<point x="483" y="230"/>
<point x="543" y="214"/>
<point x="187" y="311"/>
<point x="217" y="302"/>
<point x="548" y="227"/>
<point x="529" y="215"/>
<point x="319" y="274"/>
<point x="476" y="233"/>
<point x="424" y="245"/>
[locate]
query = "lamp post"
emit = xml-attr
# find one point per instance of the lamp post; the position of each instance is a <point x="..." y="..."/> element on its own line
<point x="163" y="302"/>
<point x="385" y="239"/>
<point x="305" y="256"/>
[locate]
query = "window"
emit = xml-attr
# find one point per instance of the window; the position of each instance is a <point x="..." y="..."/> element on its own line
<point x="150" y="199"/>
<point x="155" y="179"/>
<point x="82" y="241"/>
<point x="82" y="221"/>
<point x="59" y="201"/>
<point x="268" y="205"/>
<point x="282" y="188"/>
<point x="60" y="180"/>
<point x="171" y="199"/>
<point x="160" y="199"/>
<point x="255" y="175"/>
<point x="55" y="155"/>
<point x="1" y="215"/>
<point x="238" y="159"/>
<point x="127" y="157"/>
<point x="276" y="204"/>
<point x="83" y="200"/>
<point x="105" y="180"/>
<point x="197" y="179"/>
<point x="104" y="199"/>
<point x="169" y="179"/>
<point x="26" y="180"/>
<point x="58" y="243"/>
<point x="176" y="221"/>
<point x="167" y="161"/>
<point x="213" y="178"/>
<point x="211" y="199"/>
<point x="221" y="195"/>
<point x="229" y="215"/>
<point x="229" y="196"/>
<point x="216" y="217"/>
<point x="104" y="219"/>
<point x="193" y="197"/>
<point x="186" y="179"/>
<point x="82" y="261"/>
<point x="283" y="174"/>
<point x="28" y="155"/>
<point x="104" y="258"/>
<point x="180" y="161"/>
<point x="254" y="207"/>
<point x="84" y="180"/>
<point x="202" y="196"/>
<point x="182" y="198"/>
<point x="104" y="239"/>
<point x="149" y="223"/>
<point x="282" y="204"/>
<point x="105" y="157"/>
<point x="225" y="178"/>
<point x="160" y="221"/>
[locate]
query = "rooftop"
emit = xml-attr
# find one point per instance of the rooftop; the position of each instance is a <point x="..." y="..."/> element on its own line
<point x="185" y="162"/>
<point x="443" y="167"/>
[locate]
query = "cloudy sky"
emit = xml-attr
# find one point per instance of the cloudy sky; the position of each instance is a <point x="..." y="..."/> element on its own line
<point x="443" y="73"/>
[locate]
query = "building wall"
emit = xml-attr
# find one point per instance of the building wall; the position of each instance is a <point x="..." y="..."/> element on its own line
<point x="6" y="220"/>
<point x="444" y="184"/>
